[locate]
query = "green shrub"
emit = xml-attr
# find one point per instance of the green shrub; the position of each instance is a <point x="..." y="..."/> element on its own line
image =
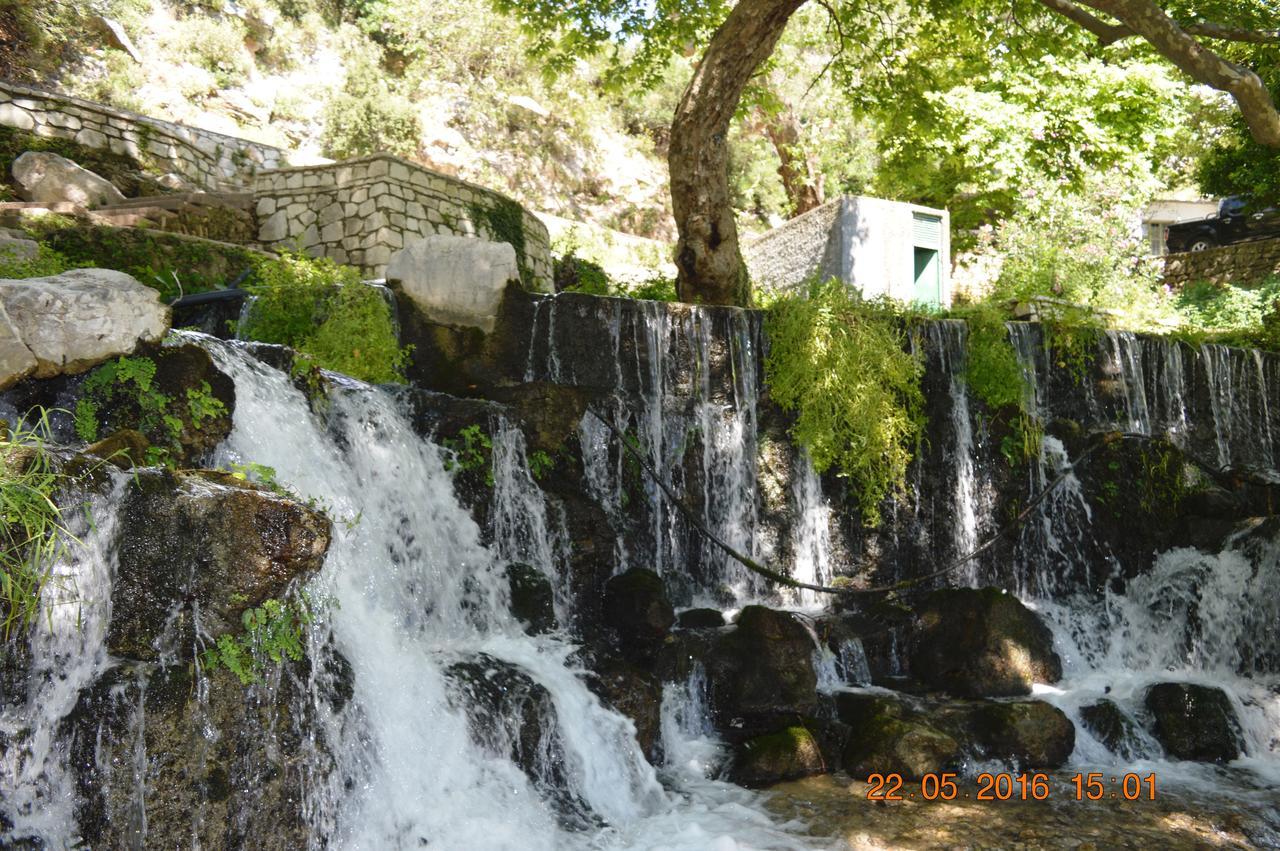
<point x="841" y="365"/>
<point x="657" y="288"/>
<point x="577" y="275"/>
<point x="367" y="117"/>
<point x="324" y="311"/>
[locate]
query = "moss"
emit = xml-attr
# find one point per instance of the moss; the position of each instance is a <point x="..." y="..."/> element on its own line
<point x="172" y="263"/>
<point x="785" y="755"/>
<point x="504" y="220"/>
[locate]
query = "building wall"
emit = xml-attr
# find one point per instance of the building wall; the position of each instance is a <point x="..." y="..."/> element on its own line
<point x="209" y="161"/>
<point x="866" y="241"/>
<point x="1242" y="264"/>
<point x="361" y="211"/>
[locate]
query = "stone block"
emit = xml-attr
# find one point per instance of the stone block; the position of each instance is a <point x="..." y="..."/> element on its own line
<point x="453" y="280"/>
<point x="12" y="115"/>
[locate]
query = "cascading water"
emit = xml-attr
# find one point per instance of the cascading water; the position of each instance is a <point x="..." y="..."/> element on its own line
<point x="415" y="593"/>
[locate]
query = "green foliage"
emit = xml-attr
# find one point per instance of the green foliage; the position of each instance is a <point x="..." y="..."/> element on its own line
<point x="47" y="262"/>
<point x="1224" y="313"/>
<point x="324" y="311"/>
<point x="577" y="275"/>
<point x="840" y="365"/>
<point x="504" y="220"/>
<point x="272" y="634"/>
<point x="993" y="371"/>
<point x="128" y="383"/>
<point x="657" y="288"/>
<point x="367" y="117"/>
<point x="471" y="451"/>
<point x="32" y="531"/>
<point x="540" y="463"/>
<point x="1022" y="443"/>
<point x="154" y="257"/>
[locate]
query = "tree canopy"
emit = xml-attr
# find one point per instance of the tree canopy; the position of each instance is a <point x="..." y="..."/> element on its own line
<point x="961" y="89"/>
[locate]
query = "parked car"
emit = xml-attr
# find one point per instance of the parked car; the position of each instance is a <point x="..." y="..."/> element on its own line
<point x="1237" y="220"/>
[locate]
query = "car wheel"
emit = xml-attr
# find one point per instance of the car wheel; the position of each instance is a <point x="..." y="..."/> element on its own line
<point x="1202" y="243"/>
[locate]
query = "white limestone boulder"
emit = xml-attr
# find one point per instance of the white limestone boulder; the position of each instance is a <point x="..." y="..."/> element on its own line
<point x="74" y="321"/>
<point x="48" y="179"/>
<point x="455" y="280"/>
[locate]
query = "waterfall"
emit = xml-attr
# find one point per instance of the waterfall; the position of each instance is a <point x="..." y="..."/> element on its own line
<point x="415" y="593"/>
<point x="685" y="386"/>
<point x="68" y="654"/>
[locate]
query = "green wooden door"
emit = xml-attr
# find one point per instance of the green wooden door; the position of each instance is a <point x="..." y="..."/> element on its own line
<point x="928" y="277"/>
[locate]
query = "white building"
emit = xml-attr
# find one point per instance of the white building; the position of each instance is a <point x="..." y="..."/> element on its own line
<point x="880" y="247"/>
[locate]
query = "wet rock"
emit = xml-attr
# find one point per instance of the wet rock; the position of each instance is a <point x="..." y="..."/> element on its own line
<point x="700" y="619"/>
<point x="222" y="765"/>
<point x="125" y="448"/>
<point x="206" y="542"/>
<point x="1028" y="733"/>
<point x="75" y="320"/>
<point x="1194" y="722"/>
<point x="1110" y="725"/>
<point x="637" y="694"/>
<point x="981" y="643"/>
<point x="512" y="715"/>
<point x="47" y="178"/>
<point x="787" y="754"/>
<point x="887" y="736"/>
<point x="532" y="601"/>
<point x="638" y="612"/>
<point x="761" y="672"/>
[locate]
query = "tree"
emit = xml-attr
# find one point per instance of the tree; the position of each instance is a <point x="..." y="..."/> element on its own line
<point x="707" y="253"/>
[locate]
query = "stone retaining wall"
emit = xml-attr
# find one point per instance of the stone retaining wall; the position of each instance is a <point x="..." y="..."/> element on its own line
<point x="1242" y="264"/>
<point x="361" y="211"/>
<point x="209" y="161"/>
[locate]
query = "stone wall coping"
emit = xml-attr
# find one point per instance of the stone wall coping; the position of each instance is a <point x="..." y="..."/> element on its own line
<point x="382" y="156"/>
<point x="16" y="89"/>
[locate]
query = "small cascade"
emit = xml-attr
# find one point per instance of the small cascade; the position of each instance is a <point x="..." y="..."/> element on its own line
<point x="811" y="535"/>
<point x="68" y="655"/>
<point x="686" y="386"/>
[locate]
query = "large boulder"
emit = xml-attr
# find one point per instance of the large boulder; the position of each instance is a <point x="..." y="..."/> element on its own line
<point x="1028" y="733"/>
<point x="76" y="320"/>
<point x="16" y="360"/>
<point x="1194" y="722"/>
<point x="203" y="545"/>
<point x="637" y="611"/>
<point x="455" y="280"/>
<point x="761" y="672"/>
<point x="981" y="643"/>
<point x="889" y="737"/>
<point x="50" y="179"/>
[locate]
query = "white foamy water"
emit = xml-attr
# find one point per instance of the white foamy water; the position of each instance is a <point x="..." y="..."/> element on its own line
<point x="414" y="591"/>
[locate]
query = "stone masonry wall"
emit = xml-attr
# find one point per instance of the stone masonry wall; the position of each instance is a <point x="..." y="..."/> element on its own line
<point x="361" y="211"/>
<point x="209" y="161"/>
<point x="1242" y="264"/>
<point x="797" y="250"/>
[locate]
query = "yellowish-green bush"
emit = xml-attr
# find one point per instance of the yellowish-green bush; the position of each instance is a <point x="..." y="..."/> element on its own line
<point x="841" y="365"/>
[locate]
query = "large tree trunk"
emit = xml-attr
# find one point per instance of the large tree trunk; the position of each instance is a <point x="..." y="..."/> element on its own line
<point x="707" y="256"/>
<point x="801" y="178"/>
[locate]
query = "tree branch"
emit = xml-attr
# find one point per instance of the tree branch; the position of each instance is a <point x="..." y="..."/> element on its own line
<point x="1143" y="18"/>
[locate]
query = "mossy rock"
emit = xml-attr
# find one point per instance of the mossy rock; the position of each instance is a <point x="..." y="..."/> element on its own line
<point x="532" y="600"/>
<point x="787" y="754"/>
<point x="125" y="173"/>
<point x="888" y="736"/>
<point x="1110" y="725"/>
<point x="981" y="643"/>
<point x="761" y="672"/>
<point x="637" y="610"/>
<point x="1028" y="733"/>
